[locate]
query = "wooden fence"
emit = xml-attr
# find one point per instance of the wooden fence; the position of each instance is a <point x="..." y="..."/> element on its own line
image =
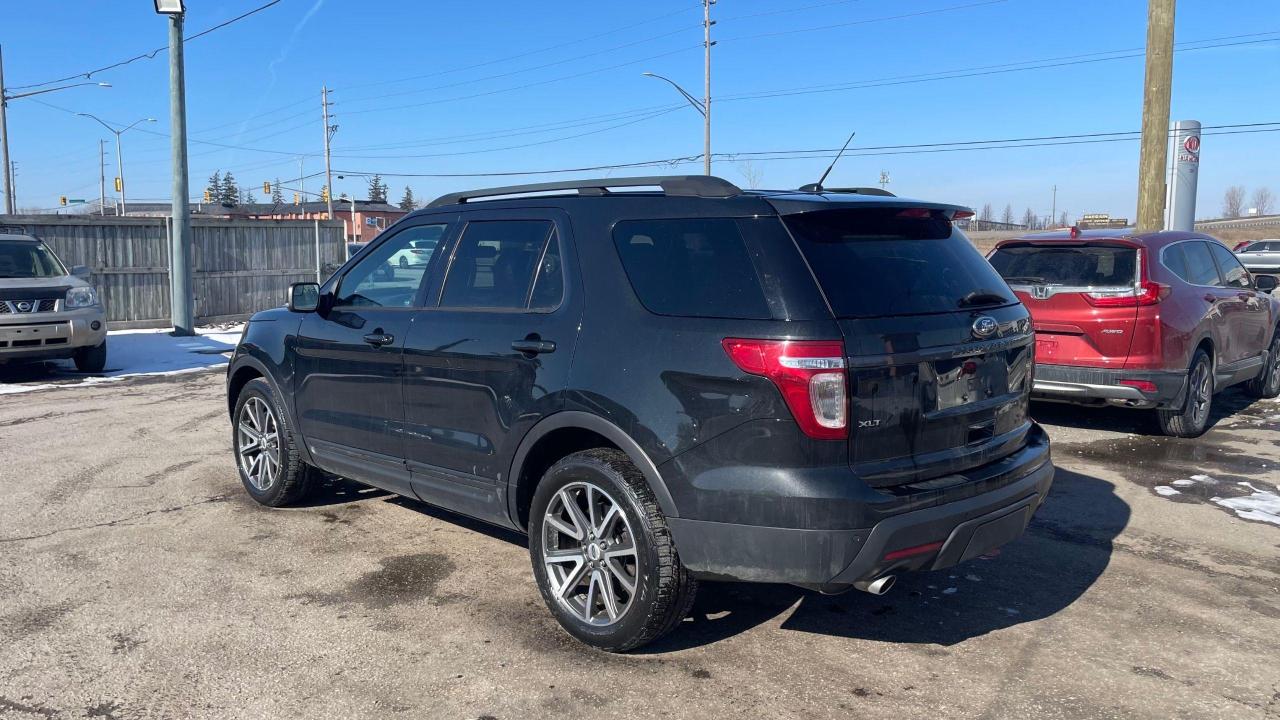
<point x="240" y="266"/>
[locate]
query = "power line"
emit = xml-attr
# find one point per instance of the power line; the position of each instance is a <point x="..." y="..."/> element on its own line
<point x="867" y="21"/>
<point x="148" y="55"/>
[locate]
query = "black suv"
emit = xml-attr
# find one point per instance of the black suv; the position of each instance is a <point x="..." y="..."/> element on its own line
<point x="664" y="380"/>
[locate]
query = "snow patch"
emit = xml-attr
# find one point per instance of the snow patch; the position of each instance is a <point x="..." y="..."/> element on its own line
<point x="1204" y="479"/>
<point x="1261" y="505"/>
<point x="1166" y="491"/>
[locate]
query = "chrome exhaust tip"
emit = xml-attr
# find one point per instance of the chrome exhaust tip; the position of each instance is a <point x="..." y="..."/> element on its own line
<point x="879" y="586"/>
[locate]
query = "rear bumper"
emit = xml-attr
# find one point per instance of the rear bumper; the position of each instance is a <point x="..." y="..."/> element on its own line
<point x="1084" y="384"/>
<point x="834" y="558"/>
<point x="51" y="335"/>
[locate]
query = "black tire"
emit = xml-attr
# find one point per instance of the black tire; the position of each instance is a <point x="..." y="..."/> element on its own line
<point x="1267" y="384"/>
<point x="293" y="478"/>
<point x="1192" y="419"/>
<point x="92" y="359"/>
<point x="663" y="588"/>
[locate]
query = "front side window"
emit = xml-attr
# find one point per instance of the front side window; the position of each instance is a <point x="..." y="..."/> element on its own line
<point x="505" y="264"/>
<point x="1232" y="271"/>
<point x="391" y="275"/>
<point x="19" y="259"/>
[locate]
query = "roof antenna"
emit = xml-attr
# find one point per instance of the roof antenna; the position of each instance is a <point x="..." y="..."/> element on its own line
<point x="817" y="187"/>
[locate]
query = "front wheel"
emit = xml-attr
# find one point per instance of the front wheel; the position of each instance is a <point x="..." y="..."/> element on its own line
<point x="1267" y="384"/>
<point x="1192" y="419"/>
<point x="92" y="359"/>
<point x="269" y="463"/>
<point x="603" y="555"/>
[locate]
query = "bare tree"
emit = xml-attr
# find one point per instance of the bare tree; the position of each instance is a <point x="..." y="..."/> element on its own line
<point x="1262" y="200"/>
<point x="751" y="174"/>
<point x="986" y="215"/>
<point x="1233" y="201"/>
<point x="1029" y="219"/>
<point x="1007" y="216"/>
<point x="1062" y="219"/>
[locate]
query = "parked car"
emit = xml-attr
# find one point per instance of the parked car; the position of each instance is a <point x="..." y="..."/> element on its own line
<point x="46" y="311"/>
<point x="418" y="252"/>
<point x="1159" y="320"/>
<point x="664" y="387"/>
<point x="1261" y="256"/>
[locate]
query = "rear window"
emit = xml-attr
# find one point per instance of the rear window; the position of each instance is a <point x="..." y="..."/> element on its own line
<point x="876" y="262"/>
<point x="1068" y="265"/>
<point x="691" y="268"/>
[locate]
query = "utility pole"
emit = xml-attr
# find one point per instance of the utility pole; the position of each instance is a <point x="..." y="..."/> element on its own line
<point x="884" y="179"/>
<point x="302" y="180"/>
<point x="1157" y="91"/>
<point x="1053" y="214"/>
<point x="102" y="177"/>
<point x="182" y="301"/>
<point x="4" y="144"/>
<point x="328" y="135"/>
<point x="707" y="22"/>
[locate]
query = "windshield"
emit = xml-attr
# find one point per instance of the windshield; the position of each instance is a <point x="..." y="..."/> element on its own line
<point x="876" y="262"/>
<point x="25" y="259"/>
<point x="1068" y="265"/>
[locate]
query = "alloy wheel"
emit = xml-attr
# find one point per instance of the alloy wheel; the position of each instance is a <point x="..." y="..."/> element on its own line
<point x="589" y="552"/>
<point x="258" y="443"/>
<point x="1273" y="377"/>
<point x="1201" y="393"/>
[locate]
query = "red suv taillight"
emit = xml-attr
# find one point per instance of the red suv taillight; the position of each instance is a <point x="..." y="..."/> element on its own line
<point x="810" y="374"/>
<point x="1144" y="291"/>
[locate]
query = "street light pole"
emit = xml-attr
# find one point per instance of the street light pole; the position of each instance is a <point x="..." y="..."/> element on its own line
<point x="4" y="144"/>
<point x="702" y="109"/>
<point x="102" y="178"/>
<point x="707" y="22"/>
<point x="119" y="152"/>
<point x="182" y="302"/>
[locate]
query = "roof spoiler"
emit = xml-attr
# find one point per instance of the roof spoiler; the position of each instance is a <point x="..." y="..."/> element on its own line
<point x="706" y="186"/>
<point x="814" y="187"/>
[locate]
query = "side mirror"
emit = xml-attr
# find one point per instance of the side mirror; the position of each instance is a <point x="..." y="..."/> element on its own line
<point x="1266" y="283"/>
<point x="81" y="271"/>
<point x="304" y="297"/>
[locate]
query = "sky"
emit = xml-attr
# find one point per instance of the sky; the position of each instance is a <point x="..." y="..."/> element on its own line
<point x="464" y="88"/>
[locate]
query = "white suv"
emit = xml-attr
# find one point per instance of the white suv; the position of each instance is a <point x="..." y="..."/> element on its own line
<point x="46" y="312"/>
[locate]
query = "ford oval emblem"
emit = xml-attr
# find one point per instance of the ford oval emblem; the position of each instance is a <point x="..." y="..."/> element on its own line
<point x="985" y="327"/>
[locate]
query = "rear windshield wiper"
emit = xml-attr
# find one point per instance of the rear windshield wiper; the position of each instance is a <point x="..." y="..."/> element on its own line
<point x="982" y="297"/>
<point x="1024" y="279"/>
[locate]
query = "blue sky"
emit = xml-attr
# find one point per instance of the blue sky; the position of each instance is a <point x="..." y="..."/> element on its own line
<point x="502" y="86"/>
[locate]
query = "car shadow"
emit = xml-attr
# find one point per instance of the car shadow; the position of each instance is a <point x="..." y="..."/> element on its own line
<point x="1065" y="549"/>
<point x="1140" y="422"/>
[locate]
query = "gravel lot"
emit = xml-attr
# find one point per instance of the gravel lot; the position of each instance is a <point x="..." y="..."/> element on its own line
<point x="137" y="580"/>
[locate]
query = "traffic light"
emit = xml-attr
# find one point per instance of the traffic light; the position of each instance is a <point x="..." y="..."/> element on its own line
<point x="208" y="197"/>
<point x="324" y="193"/>
<point x="119" y="184"/>
<point x="266" y="187"/>
<point x="62" y="200"/>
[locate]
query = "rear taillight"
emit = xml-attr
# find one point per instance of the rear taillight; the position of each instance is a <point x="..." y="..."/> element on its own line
<point x="809" y="374"/>
<point x="1144" y="291"/>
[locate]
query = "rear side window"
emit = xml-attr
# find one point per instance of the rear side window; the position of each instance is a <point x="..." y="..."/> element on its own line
<point x="495" y="264"/>
<point x="691" y="268"/>
<point x="1197" y="265"/>
<point x="876" y="262"/>
<point x="1067" y="265"/>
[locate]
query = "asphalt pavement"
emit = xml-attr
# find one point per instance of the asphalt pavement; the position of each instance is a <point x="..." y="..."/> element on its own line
<point x="137" y="580"/>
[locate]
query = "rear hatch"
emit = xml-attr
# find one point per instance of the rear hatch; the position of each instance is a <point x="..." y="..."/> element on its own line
<point x="939" y="349"/>
<point x="1080" y="295"/>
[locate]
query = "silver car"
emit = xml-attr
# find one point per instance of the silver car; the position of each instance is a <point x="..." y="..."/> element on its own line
<point x="1261" y="256"/>
<point x="46" y="312"/>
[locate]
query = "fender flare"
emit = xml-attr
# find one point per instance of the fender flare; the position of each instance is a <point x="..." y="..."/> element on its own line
<point x="600" y="426"/>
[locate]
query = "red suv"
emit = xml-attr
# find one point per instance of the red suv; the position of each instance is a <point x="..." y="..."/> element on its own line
<point x="1160" y="320"/>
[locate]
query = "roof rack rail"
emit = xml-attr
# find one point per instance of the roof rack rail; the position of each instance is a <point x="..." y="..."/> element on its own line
<point x="681" y="185"/>
<point x="853" y="190"/>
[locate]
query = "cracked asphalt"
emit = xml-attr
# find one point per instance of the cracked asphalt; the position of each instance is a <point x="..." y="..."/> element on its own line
<point x="138" y="581"/>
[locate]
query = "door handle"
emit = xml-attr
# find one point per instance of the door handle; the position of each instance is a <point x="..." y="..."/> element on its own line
<point x="1210" y="298"/>
<point x="379" y="339"/>
<point x="534" y="347"/>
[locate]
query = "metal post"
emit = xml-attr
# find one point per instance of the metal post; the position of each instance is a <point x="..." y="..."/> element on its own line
<point x="355" y="229"/>
<point x="302" y="180"/>
<point x="706" y="87"/>
<point x="124" y="208"/>
<point x="1053" y="214"/>
<point x="328" y="172"/>
<point x="102" y="178"/>
<point x="1186" y="173"/>
<point x="1155" y="115"/>
<point x="317" y="222"/>
<point x="179" y="252"/>
<point x="9" y="200"/>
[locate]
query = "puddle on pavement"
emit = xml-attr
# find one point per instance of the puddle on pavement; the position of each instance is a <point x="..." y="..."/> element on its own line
<point x="1200" y="470"/>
